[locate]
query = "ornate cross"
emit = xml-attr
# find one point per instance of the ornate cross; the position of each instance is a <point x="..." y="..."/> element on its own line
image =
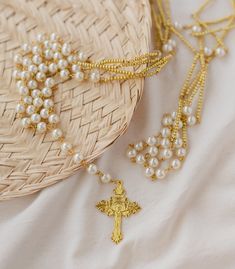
<point x="118" y="206"/>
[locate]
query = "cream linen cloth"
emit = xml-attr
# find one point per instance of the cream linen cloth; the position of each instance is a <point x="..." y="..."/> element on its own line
<point x="187" y="221"/>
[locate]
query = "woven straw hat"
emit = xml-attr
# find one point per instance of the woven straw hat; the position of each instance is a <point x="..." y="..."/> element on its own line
<point x="93" y="117"/>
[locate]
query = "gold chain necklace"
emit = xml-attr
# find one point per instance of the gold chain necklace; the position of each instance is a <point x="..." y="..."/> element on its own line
<point x="165" y="152"/>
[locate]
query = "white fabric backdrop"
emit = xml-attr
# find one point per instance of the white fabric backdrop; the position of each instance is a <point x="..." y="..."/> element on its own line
<point x="187" y="220"/>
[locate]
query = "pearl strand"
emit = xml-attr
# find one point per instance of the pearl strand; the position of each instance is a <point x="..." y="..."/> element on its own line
<point x="36" y="67"/>
<point x="157" y="153"/>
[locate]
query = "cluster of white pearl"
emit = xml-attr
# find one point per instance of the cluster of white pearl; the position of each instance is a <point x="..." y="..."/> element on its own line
<point x="158" y="154"/>
<point x="169" y="46"/>
<point x="36" y="68"/>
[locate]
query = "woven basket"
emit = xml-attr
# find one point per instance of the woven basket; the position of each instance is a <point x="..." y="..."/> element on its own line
<point x="93" y="116"/>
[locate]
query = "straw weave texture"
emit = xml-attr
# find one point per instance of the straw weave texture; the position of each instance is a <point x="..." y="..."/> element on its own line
<point x="93" y="117"/>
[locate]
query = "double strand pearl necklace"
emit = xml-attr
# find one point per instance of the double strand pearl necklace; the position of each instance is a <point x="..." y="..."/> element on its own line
<point x="166" y="151"/>
<point x="48" y="61"/>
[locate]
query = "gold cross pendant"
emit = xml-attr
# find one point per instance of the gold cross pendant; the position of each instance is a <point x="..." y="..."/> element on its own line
<point x="118" y="206"/>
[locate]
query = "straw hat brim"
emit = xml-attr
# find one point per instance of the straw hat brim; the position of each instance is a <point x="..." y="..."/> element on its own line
<point x="92" y="116"/>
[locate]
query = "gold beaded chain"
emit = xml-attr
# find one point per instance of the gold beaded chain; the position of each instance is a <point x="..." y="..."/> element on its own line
<point x="164" y="152"/>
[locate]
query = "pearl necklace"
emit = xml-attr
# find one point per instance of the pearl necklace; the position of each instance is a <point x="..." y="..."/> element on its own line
<point x="166" y="151"/>
<point x="50" y="60"/>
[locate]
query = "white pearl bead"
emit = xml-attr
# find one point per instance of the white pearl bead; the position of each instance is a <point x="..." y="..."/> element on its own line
<point x="28" y="100"/>
<point x="48" y="103"/>
<point x="152" y="151"/>
<point x="181" y="152"/>
<point x="55" y="46"/>
<point x="62" y="64"/>
<point x="47" y="44"/>
<point x="139" y="146"/>
<point x="174" y="115"/>
<point x="49" y="54"/>
<point x="167" y="48"/>
<point x="131" y="153"/>
<point x="16" y="74"/>
<point x="25" y="75"/>
<point x="151" y="141"/>
<point x="64" y="74"/>
<point x="77" y="158"/>
<point x="178" y="143"/>
<point x="176" y="164"/>
<point x="72" y="58"/>
<point x="166" y="154"/>
<point x="178" y="25"/>
<point x="196" y="29"/>
<point x="149" y="172"/>
<point x="38" y="102"/>
<point x="106" y="178"/>
<point x="53" y="119"/>
<point x="33" y="69"/>
<point x="79" y="76"/>
<point x="20" y="108"/>
<point x="30" y="110"/>
<point x="153" y="162"/>
<point x="43" y="68"/>
<point x="37" y="59"/>
<point x="36" y="93"/>
<point x="165" y="142"/>
<point x="50" y="82"/>
<point x="32" y="84"/>
<point x="180" y="124"/>
<point x="47" y="92"/>
<point x="19" y="84"/>
<point x="140" y="159"/>
<point x="66" y="147"/>
<point x="26" y="61"/>
<point x="165" y="132"/>
<point x="36" y="50"/>
<point x="95" y="76"/>
<point x="191" y="120"/>
<point x="54" y="37"/>
<point x="57" y="133"/>
<point x="44" y="113"/>
<point x="35" y="118"/>
<point x="220" y="52"/>
<point x="53" y="68"/>
<point x="41" y="37"/>
<point x="23" y="90"/>
<point x="160" y="173"/>
<point x="25" y="122"/>
<point x="167" y="120"/>
<point x="82" y="56"/>
<point x="75" y="68"/>
<point x="172" y="42"/>
<point x="92" y="169"/>
<point x="26" y="48"/>
<point x="18" y="59"/>
<point x="208" y="51"/>
<point x="41" y="127"/>
<point x="40" y="76"/>
<point x="57" y="56"/>
<point x="187" y="110"/>
<point x="66" y="49"/>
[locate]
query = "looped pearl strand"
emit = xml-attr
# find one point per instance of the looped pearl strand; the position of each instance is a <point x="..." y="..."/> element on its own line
<point x="160" y="154"/>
